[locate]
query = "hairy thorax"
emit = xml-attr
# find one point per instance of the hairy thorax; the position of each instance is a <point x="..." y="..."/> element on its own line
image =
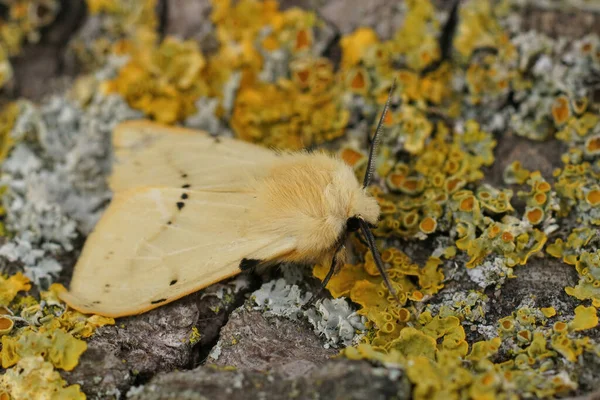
<point x="309" y="197"/>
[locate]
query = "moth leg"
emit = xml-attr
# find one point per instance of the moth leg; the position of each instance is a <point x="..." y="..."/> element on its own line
<point x="333" y="269"/>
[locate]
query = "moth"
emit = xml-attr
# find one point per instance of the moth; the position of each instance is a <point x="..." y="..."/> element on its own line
<point x="190" y="210"/>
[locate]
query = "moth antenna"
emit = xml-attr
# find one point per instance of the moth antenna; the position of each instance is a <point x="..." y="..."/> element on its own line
<point x="376" y="256"/>
<point x="448" y="32"/>
<point x="330" y="273"/>
<point x="375" y="142"/>
<point x="445" y="40"/>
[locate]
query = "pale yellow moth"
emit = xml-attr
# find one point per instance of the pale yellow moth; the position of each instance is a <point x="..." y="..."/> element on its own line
<point x="189" y="210"/>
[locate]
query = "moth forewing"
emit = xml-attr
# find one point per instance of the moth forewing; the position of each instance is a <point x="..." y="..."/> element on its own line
<point x="151" y="154"/>
<point x="154" y="245"/>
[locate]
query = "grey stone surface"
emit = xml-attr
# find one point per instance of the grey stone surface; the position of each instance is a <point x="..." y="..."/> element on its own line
<point x="251" y="341"/>
<point x="138" y="347"/>
<point x="334" y="380"/>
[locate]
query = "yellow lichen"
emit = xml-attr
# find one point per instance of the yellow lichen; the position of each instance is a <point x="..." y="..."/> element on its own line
<point x="6" y="325"/>
<point x="585" y="318"/>
<point x="417" y="37"/>
<point x="163" y="82"/>
<point x="9" y="287"/>
<point x="284" y="115"/>
<point x="561" y="110"/>
<point x="8" y="117"/>
<point x="22" y="21"/>
<point x="34" y="378"/>
<point x="132" y="24"/>
<point x="56" y="346"/>
<point x="548" y="311"/>
<point x="355" y="45"/>
<point x="414" y="343"/>
<point x="516" y="174"/>
<point x="194" y="336"/>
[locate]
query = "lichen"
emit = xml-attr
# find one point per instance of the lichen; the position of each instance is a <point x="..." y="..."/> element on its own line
<point x="56" y="346"/>
<point x="55" y="179"/>
<point x="195" y="336"/>
<point x="277" y="298"/>
<point x="35" y="378"/>
<point x="9" y="287"/>
<point x="114" y="27"/>
<point x="163" y="82"/>
<point x="48" y="337"/>
<point x="267" y="81"/>
<point x="22" y="22"/>
<point x="334" y="320"/>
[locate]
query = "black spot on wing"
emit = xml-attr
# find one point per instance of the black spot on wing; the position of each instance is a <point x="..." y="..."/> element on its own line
<point x="184" y="175"/>
<point x="158" y="301"/>
<point x="186" y="186"/>
<point x="180" y="205"/>
<point x="174" y="281"/>
<point x="249" y="263"/>
<point x="184" y="196"/>
<point x="95" y="302"/>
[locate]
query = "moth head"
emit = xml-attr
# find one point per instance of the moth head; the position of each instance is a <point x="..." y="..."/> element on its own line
<point x="365" y="208"/>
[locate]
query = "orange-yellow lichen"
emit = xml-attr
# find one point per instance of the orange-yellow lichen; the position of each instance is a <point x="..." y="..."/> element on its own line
<point x="364" y="285"/>
<point x="284" y="115"/>
<point x="516" y="174"/>
<point x="51" y="339"/>
<point x="494" y="200"/>
<point x="486" y="77"/>
<point x="164" y="82"/>
<point x="241" y="25"/>
<point x="8" y="117"/>
<point x="34" y="378"/>
<point x="6" y="325"/>
<point x="548" y="311"/>
<point x="132" y="24"/>
<point x="9" y="287"/>
<point x="561" y="110"/>
<point x="593" y="197"/>
<point x="534" y="215"/>
<point x="587" y="263"/>
<point x="560" y="326"/>
<point x="478" y="28"/>
<point x="569" y="251"/>
<point x="355" y="45"/>
<point x="540" y="200"/>
<point x="427" y="225"/>
<point x="56" y="346"/>
<point x="417" y="38"/>
<point x="585" y="318"/>
<point x="351" y="156"/>
<point x="592" y="145"/>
